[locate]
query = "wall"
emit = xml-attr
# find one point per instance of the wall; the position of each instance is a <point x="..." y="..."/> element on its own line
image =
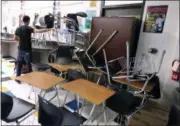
<point x="168" y="40"/>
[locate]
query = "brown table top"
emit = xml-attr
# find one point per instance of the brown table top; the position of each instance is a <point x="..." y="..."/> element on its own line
<point x="64" y="68"/>
<point x="40" y="80"/>
<point x="135" y="84"/>
<point x="90" y="91"/>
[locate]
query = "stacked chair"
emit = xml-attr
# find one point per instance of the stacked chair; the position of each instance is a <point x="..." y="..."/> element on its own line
<point x="125" y="102"/>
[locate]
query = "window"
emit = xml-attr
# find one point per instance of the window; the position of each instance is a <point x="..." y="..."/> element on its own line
<point x="108" y="3"/>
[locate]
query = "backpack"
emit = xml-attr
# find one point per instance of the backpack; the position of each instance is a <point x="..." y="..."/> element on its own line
<point x="74" y="75"/>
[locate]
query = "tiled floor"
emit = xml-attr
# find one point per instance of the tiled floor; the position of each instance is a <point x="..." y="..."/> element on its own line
<point x="22" y="90"/>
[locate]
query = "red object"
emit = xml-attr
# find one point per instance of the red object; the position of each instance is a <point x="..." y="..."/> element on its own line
<point x="175" y="75"/>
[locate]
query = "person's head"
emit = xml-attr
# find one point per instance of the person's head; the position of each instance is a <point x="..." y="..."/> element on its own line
<point x="26" y="20"/>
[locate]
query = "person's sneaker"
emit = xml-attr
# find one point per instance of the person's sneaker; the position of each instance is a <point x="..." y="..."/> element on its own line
<point x="19" y="82"/>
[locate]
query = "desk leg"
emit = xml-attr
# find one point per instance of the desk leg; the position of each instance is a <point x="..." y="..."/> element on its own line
<point x="105" y="115"/>
<point x="92" y="110"/>
<point x="82" y="107"/>
<point x="35" y="95"/>
<point x="103" y="112"/>
<point x="65" y="98"/>
<point x="57" y="96"/>
<point x="29" y="96"/>
<point x="78" y="104"/>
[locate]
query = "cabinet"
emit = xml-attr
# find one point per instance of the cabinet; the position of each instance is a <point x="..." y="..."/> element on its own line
<point x="128" y="29"/>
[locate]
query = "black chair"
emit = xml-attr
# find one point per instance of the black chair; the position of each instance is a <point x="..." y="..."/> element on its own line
<point x="124" y="103"/>
<point x="174" y="116"/>
<point x="73" y="17"/>
<point x="13" y="109"/>
<point x="42" y="67"/>
<point x="50" y="115"/>
<point x="87" y="62"/>
<point x="63" y="55"/>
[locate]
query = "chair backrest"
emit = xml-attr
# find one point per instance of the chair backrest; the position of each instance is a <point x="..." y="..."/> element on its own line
<point x="174" y="116"/>
<point x="6" y="105"/>
<point x="49" y="114"/>
<point x="79" y="54"/>
<point x="65" y="53"/>
<point x="73" y="17"/>
<point x="84" y="60"/>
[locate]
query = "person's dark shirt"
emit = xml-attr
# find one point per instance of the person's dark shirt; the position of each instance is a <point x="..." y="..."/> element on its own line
<point x="24" y="34"/>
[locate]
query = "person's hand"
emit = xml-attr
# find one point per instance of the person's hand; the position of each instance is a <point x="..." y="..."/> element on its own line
<point x="53" y="29"/>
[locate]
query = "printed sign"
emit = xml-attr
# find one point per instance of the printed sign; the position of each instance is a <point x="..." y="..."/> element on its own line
<point x="155" y="19"/>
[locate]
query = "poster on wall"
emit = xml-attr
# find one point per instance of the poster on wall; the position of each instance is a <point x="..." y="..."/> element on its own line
<point x="155" y="19"/>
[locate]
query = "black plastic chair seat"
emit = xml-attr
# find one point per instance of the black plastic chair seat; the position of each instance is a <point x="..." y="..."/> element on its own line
<point x="16" y="112"/>
<point x="123" y="102"/>
<point x="43" y="67"/>
<point x="70" y="118"/>
<point x="50" y="115"/>
<point x="14" y="108"/>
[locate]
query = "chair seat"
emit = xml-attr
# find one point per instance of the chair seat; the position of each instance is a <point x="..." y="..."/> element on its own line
<point x="20" y="108"/>
<point x="123" y="102"/>
<point x="70" y="118"/>
<point x="43" y="67"/>
<point x="135" y="84"/>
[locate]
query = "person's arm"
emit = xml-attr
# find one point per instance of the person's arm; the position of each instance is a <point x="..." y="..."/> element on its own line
<point x="16" y="35"/>
<point x="42" y="30"/>
<point x="16" y="38"/>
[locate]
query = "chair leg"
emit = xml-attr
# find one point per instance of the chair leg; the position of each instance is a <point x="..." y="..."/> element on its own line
<point x="122" y="121"/>
<point x="127" y="121"/>
<point x="29" y="96"/>
<point x="98" y="80"/>
<point x="17" y="123"/>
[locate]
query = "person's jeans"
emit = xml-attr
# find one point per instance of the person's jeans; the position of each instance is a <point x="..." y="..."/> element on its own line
<point x="23" y="57"/>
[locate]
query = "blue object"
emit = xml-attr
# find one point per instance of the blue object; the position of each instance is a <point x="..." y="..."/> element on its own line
<point x="73" y="105"/>
<point x="9" y="93"/>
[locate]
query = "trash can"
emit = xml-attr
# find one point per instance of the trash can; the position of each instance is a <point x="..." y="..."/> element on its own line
<point x="176" y="96"/>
